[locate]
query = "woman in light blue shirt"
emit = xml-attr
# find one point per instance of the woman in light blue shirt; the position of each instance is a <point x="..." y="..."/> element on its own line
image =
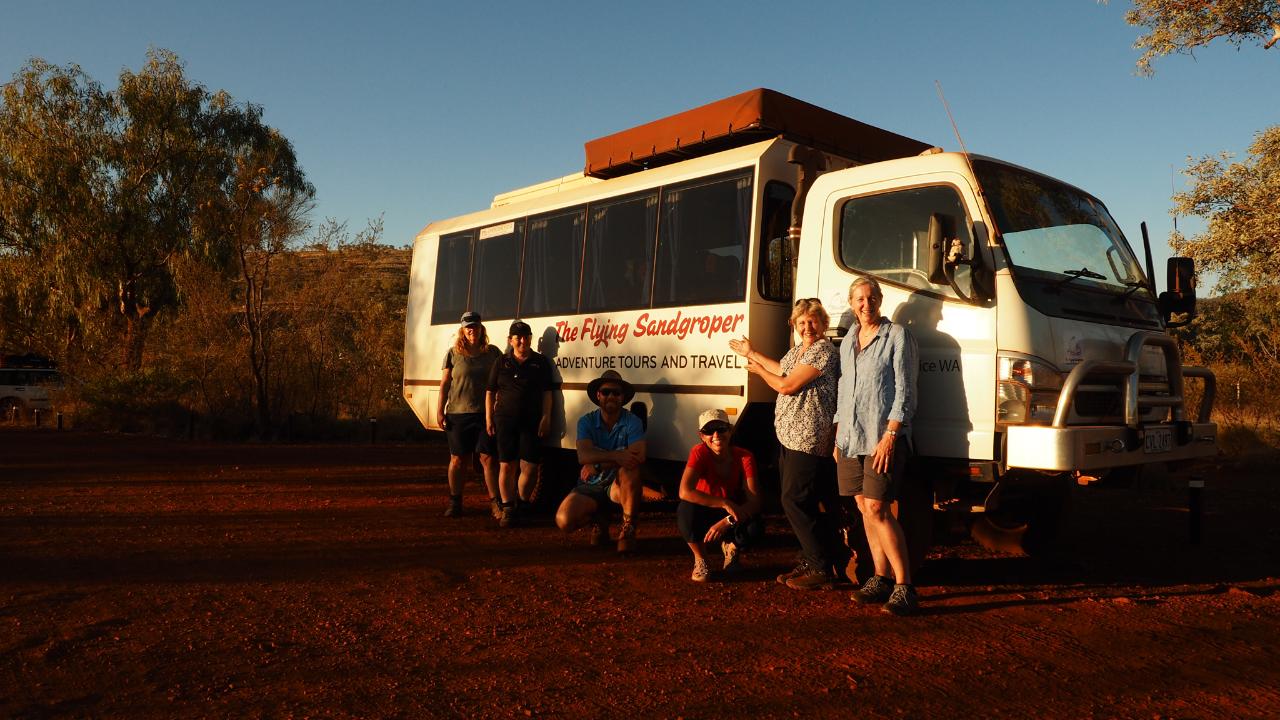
<point x="875" y="403"/>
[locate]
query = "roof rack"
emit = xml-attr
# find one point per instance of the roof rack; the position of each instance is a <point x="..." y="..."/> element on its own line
<point x="739" y="120"/>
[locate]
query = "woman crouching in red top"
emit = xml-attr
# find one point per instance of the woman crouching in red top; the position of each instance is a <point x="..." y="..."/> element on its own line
<point x="718" y="496"/>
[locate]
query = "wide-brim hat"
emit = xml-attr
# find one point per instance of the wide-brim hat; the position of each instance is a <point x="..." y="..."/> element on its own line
<point x="610" y="376"/>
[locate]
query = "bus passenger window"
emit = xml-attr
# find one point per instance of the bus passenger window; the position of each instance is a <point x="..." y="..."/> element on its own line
<point x="552" y="264"/>
<point x="702" y="242"/>
<point x="619" y="254"/>
<point x="495" y="277"/>
<point x="776" y="280"/>
<point x="453" y="273"/>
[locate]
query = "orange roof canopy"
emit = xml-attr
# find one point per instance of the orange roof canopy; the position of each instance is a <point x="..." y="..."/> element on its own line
<point x="746" y="118"/>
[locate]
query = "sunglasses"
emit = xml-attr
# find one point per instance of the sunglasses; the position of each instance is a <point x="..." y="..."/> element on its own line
<point x="610" y="392"/>
<point x="715" y="430"/>
<point x="802" y="301"/>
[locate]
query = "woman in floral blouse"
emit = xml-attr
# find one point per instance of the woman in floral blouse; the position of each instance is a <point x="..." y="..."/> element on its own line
<point x="805" y="380"/>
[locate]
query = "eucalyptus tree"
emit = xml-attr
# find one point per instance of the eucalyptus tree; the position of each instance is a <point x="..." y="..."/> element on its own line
<point x="1181" y="26"/>
<point x="1240" y="202"/>
<point x="259" y="210"/>
<point x="103" y="191"/>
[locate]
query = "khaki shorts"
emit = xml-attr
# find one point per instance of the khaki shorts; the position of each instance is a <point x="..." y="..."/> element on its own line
<point x="857" y="477"/>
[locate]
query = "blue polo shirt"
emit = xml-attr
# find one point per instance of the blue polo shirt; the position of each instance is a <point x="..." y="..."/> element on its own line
<point x="626" y="431"/>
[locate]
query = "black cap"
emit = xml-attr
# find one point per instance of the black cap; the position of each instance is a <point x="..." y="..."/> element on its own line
<point x="521" y="329"/>
<point x="470" y="318"/>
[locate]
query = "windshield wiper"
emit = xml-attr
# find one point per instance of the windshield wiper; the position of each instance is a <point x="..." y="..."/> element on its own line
<point x="1077" y="274"/>
<point x="1134" y="286"/>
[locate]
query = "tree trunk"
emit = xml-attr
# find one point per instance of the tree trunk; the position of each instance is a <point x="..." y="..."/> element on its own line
<point x="137" y="322"/>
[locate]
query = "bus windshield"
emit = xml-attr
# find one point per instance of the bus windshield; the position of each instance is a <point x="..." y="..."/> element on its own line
<point x="1056" y="233"/>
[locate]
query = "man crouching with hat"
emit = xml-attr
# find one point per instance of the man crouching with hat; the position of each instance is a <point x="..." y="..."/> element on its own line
<point x="611" y="451"/>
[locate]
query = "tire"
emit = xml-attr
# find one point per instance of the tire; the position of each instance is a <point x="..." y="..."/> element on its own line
<point x="1024" y="516"/>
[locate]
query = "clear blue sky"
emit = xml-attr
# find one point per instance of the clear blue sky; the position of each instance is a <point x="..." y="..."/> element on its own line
<point x="422" y="111"/>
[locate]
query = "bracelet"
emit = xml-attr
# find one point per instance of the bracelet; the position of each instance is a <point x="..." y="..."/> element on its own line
<point x="892" y="433"/>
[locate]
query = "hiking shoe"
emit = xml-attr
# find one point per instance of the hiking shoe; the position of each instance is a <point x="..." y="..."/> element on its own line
<point x="876" y="589"/>
<point x="508" y="517"/>
<point x="731" y="562"/>
<point x="495" y="508"/>
<point x="797" y="571"/>
<point x="811" y="578"/>
<point x="903" y="601"/>
<point x="627" y="538"/>
<point x="599" y="532"/>
<point x="701" y="573"/>
<point x="455" y="507"/>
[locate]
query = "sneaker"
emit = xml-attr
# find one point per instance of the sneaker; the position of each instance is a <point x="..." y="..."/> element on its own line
<point x="903" y="601"/>
<point x="876" y="589"/>
<point x="599" y="533"/>
<point x="627" y="537"/>
<point x="797" y="571"/>
<point x="701" y="573"/>
<point x="811" y="578"/>
<point x="455" y="506"/>
<point x="508" y="517"/>
<point x="495" y="507"/>
<point x="731" y="562"/>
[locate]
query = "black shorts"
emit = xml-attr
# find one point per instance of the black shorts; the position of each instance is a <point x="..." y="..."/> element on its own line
<point x="518" y="440"/>
<point x="467" y="435"/>
<point x="857" y="477"/>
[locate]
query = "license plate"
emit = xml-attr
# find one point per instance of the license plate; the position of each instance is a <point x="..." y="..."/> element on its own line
<point x="1157" y="440"/>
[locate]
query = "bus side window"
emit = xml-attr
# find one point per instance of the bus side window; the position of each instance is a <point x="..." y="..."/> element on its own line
<point x="886" y="235"/>
<point x="495" y="274"/>
<point x="453" y="275"/>
<point x="619" y="255"/>
<point x="702" y="242"/>
<point x="552" y="264"/>
<point x="775" y="279"/>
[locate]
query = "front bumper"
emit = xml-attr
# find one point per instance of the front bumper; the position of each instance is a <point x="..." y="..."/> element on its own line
<point x="1096" y="447"/>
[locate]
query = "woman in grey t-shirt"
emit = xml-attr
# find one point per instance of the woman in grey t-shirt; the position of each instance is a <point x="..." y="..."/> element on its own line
<point x="461" y="410"/>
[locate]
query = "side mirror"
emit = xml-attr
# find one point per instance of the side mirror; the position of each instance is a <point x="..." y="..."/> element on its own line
<point x="1180" y="298"/>
<point x="936" y="249"/>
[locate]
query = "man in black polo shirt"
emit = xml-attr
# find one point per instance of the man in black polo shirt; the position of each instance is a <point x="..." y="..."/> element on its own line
<point x="518" y="414"/>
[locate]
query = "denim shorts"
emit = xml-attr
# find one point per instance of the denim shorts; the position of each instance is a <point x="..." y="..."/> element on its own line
<point x="598" y="491"/>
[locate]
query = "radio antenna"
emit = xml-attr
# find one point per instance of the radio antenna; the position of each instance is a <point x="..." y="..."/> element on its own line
<point x="982" y="196"/>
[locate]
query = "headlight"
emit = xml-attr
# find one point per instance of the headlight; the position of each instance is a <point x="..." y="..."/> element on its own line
<point x="1028" y="390"/>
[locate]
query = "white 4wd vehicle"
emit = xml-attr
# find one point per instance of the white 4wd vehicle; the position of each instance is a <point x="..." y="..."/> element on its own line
<point x="23" y="390"/>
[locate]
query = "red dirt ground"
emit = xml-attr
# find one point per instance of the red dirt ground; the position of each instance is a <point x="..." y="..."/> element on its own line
<point x="154" y="578"/>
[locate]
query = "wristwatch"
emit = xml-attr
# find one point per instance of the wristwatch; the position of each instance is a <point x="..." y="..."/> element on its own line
<point x="892" y="433"/>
